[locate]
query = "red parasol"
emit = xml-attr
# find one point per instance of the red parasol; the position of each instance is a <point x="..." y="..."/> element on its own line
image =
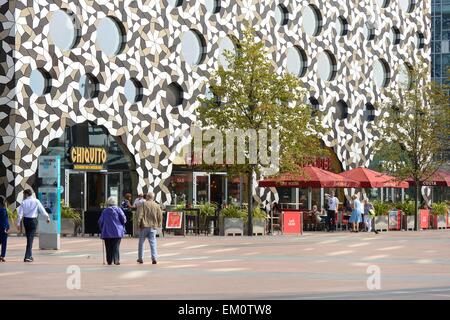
<point x="311" y="177"/>
<point x="373" y="179"/>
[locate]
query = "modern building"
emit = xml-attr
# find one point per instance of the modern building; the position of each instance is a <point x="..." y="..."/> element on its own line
<point x="440" y="32"/>
<point x="108" y="85"/>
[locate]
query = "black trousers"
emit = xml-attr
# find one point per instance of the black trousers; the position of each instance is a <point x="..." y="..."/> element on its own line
<point x="331" y="219"/>
<point x="3" y="242"/>
<point x="112" y="246"/>
<point x="30" y="225"/>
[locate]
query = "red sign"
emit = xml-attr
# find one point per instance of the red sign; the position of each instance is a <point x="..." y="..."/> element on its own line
<point x="292" y="223"/>
<point x="319" y="162"/>
<point x="424" y="218"/>
<point x="174" y="220"/>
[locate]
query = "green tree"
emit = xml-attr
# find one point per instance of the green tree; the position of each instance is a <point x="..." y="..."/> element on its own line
<point x="415" y="128"/>
<point x="249" y="94"/>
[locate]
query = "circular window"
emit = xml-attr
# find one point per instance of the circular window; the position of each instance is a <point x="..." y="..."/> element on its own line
<point x="369" y="31"/>
<point x="40" y="82"/>
<point x="312" y="20"/>
<point x="420" y="40"/>
<point x="296" y="61"/>
<point x="407" y="5"/>
<point x="381" y="73"/>
<point x="174" y="94"/>
<point x="226" y="44"/>
<point x="213" y="6"/>
<point x="404" y="76"/>
<point x="175" y="3"/>
<point x="110" y="36"/>
<point x="193" y="47"/>
<point x="394" y="35"/>
<point x="64" y="29"/>
<point x="88" y="86"/>
<point x="326" y="66"/>
<point x="281" y="14"/>
<point x="342" y="26"/>
<point x="383" y="3"/>
<point x="341" y="110"/>
<point x="133" y="90"/>
<point x="369" y="112"/>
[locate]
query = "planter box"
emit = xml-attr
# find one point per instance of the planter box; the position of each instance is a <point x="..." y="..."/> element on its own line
<point x="439" y="222"/>
<point x="381" y="223"/>
<point x="408" y="222"/>
<point x="231" y="226"/>
<point x="67" y="226"/>
<point x="259" y="227"/>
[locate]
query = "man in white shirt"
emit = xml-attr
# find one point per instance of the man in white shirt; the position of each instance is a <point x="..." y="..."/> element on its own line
<point x="333" y="203"/>
<point x="139" y="200"/>
<point x="29" y="211"/>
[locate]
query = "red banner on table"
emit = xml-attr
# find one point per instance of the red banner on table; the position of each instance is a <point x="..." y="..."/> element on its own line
<point x="424" y="218"/>
<point x="292" y="222"/>
<point x="174" y="220"/>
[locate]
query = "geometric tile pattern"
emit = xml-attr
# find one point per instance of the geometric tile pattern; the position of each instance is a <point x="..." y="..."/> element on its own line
<point x="149" y="128"/>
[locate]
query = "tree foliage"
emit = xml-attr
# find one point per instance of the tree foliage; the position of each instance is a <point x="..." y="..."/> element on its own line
<point x="249" y="94"/>
<point x="415" y="127"/>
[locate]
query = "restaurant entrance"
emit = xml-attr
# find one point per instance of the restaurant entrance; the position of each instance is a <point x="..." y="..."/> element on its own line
<point x="90" y="190"/>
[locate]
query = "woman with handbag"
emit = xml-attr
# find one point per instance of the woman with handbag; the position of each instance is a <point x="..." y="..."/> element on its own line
<point x="369" y="214"/>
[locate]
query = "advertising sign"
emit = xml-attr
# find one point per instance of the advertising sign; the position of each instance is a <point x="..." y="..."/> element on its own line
<point x="174" y="220"/>
<point x="292" y="222"/>
<point x="394" y="220"/>
<point x="49" y="193"/>
<point x="87" y="158"/>
<point x="424" y="218"/>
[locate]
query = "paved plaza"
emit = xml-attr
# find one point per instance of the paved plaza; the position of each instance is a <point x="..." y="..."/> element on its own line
<point x="412" y="265"/>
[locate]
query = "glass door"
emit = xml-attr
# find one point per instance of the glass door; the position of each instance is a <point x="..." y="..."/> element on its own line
<point x="75" y="190"/>
<point x="96" y="184"/>
<point x="113" y="185"/>
<point x="201" y="188"/>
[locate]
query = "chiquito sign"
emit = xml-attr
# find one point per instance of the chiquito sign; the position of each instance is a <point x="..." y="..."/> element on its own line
<point x="87" y="158"/>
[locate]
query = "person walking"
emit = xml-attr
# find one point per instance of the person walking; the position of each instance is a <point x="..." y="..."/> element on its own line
<point x="355" y="218"/>
<point x="333" y="203"/>
<point x="4" y="228"/>
<point x="139" y="200"/>
<point x="29" y="211"/>
<point x="149" y="217"/>
<point x="369" y="215"/>
<point x="112" y="226"/>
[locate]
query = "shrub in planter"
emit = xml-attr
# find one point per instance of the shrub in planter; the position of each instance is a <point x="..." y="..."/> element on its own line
<point x="408" y="208"/>
<point x="259" y="221"/>
<point x="439" y="213"/>
<point x="207" y="211"/>
<point x="232" y="220"/>
<point x="381" y="215"/>
<point x="70" y="219"/>
<point x="12" y="218"/>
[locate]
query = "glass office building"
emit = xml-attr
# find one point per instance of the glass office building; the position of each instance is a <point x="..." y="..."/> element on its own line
<point x="440" y="49"/>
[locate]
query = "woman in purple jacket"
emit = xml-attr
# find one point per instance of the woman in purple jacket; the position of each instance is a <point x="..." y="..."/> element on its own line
<point x="4" y="228"/>
<point x="112" y="226"/>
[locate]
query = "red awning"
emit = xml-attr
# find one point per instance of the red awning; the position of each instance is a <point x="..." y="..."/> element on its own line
<point x="439" y="178"/>
<point x="373" y="179"/>
<point x="311" y="177"/>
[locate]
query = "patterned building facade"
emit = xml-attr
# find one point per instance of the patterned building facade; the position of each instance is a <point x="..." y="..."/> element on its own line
<point x="137" y="68"/>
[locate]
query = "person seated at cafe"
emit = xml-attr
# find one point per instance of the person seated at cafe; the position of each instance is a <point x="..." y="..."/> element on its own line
<point x="316" y="214"/>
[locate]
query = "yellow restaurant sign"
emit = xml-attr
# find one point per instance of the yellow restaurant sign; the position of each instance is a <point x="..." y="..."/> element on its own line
<point x="87" y="158"/>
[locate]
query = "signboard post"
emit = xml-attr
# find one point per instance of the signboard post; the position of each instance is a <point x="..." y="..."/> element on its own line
<point x="292" y="222"/>
<point x="174" y="220"/>
<point x="394" y="219"/>
<point x="49" y="193"/>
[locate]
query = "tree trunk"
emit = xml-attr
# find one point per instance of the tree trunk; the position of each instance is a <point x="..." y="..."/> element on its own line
<point x="250" y="203"/>
<point x="416" y="206"/>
